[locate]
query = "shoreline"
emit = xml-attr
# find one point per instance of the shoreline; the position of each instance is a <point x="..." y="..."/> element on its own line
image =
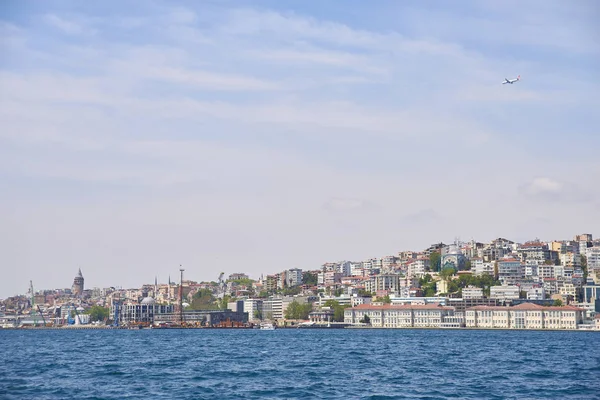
<point x="63" y="328"/>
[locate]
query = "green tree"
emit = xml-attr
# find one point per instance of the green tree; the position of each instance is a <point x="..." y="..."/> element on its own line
<point x="447" y="273"/>
<point x="435" y="261"/>
<point x="97" y="313"/>
<point x="557" y="261"/>
<point x="296" y="310"/>
<point x="364" y="293"/>
<point x="309" y="278"/>
<point x="365" y="320"/>
<point x="243" y="281"/>
<point x="584" y="268"/>
<point x="203" y="299"/>
<point x="291" y="291"/>
<point x="558" y="303"/>
<point x="338" y="310"/>
<point x="468" y="265"/>
<point x="496" y="273"/>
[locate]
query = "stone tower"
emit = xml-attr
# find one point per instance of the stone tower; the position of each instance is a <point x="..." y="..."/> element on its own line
<point x="77" y="288"/>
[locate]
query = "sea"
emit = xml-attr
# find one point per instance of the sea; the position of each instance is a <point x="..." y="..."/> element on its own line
<point x="299" y="364"/>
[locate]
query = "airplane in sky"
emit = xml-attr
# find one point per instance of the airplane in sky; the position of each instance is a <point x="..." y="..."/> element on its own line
<point x="511" y="81"/>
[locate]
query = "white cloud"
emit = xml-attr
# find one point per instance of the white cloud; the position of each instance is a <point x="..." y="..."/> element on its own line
<point x="543" y="185"/>
<point x="210" y="80"/>
<point x="235" y="141"/>
<point x="65" y="25"/>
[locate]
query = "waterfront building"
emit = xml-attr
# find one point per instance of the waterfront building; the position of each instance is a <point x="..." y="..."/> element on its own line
<point x="253" y="307"/>
<point x="524" y="316"/>
<point x="145" y="312"/>
<point x="325" y="314"/>
<point x="399" y="316"/>
<point x="203" y="317"/>
<point x="275" y="306"/>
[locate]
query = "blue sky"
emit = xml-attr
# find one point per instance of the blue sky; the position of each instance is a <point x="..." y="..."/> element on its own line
<point x="263" y="135"/>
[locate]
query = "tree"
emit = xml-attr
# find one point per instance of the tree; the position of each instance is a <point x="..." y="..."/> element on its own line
<point x="365" y="320"/>
<point x="447" y="273"/>
<point x="296" y="310"/>
<point x="291" y="291"/>
<point x="97" y="313"/>
<point x="558" y="303"/>
<point x="468" y="265"/>
<point x="385" y="299"/>
<point x="364" y="293"/>
<point x="203" y="299"/>
<point x="308" y="278"/>
<point x="435" y="261"/>
<point x="556" y="261"/>
<point x="496" y="273"/>
<point x="338" y="310"/>
<point x="584" y="268"/>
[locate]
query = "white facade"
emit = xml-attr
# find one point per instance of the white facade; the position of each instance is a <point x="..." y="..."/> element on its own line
<point x="593" y="257"/>
<point x="253" y="307"/>
<point x="404" y="316"/>
<point x="293" y="277"/>
<point x="524" y="316"/>
<point x="536" y="293"/>
<point x="507" y="292"/>
<point x="471" y="292"/>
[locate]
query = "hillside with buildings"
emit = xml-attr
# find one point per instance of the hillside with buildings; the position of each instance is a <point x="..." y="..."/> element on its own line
<point x="500" y="284"/>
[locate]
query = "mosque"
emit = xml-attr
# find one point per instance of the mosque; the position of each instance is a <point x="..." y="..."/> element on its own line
<point x="453" y="258"/>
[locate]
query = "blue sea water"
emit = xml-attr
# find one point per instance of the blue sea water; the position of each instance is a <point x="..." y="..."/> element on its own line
<point x="298" y="364"/>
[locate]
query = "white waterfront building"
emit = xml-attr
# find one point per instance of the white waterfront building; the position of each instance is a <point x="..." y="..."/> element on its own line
<point x="524" y="316"/>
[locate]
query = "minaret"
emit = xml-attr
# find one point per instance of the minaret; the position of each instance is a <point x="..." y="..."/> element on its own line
<point x="169" y="290"/>
<point x="155" y="287"/>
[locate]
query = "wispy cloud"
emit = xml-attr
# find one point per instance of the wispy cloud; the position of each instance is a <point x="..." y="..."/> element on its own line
<point x="296" y="129"/>
<point x="68" y="26"/>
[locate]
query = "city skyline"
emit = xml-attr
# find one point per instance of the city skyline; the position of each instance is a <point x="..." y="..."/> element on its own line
<point x="263" y="135"/>
<point x="172" y="279"/>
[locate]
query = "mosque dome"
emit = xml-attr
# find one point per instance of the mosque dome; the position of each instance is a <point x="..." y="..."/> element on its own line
<point x="148" y="301"/>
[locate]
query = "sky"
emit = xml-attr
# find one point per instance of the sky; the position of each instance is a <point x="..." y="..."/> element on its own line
<point x="257" y="136"/>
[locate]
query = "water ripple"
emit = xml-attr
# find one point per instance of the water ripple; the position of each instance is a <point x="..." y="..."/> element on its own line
<point x="299" y="364"/>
